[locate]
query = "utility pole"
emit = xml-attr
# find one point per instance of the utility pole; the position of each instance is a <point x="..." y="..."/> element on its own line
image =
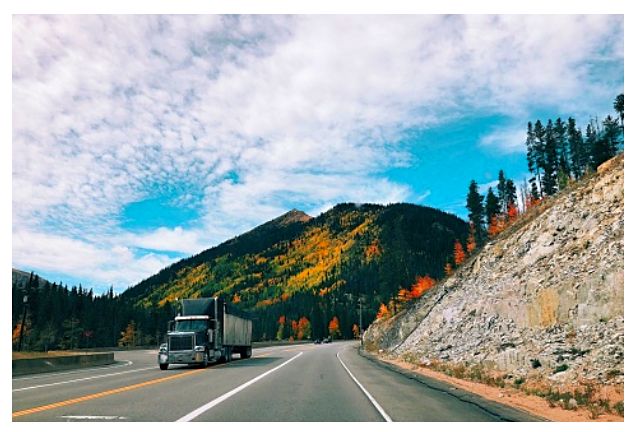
<point x="25" y="300"/>
<point x="360" y="304"/>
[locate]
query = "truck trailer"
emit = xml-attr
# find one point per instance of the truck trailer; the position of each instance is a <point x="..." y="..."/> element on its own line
<point x="207" y="330"/>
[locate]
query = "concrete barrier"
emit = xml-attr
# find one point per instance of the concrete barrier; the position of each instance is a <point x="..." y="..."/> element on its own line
<point x="54" y="364"/>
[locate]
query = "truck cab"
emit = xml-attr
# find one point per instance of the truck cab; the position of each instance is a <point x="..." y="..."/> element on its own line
<point x="207" y="331"/>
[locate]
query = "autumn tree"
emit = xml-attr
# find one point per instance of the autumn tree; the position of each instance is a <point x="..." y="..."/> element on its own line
<point x="355" y="330"/>
<point x="128" y="336"/>
<point x="421" y="285"/>
<point x="304" y="328"/>
<point x="471" y="243"/>
<point x="383" y="312"/>
<point x="448" y="269"/>
<point x="334" y="327"/>
<point x="458" y="253"/>
<point x="280" y="334"/>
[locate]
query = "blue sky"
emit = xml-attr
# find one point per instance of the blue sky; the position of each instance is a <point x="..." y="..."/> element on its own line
<point x="138" y="140"/>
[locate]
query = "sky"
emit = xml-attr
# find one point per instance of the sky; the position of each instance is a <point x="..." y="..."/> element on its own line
<point x="139" y="140"/>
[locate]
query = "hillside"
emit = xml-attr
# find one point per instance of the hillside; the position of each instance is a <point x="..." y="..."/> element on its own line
<point x="297" y="266"/>
<point x="540" y="307"/>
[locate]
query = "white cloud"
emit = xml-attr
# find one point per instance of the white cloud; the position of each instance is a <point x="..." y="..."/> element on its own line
<point x="301" y="109"/>
<point x="510" y="139"/>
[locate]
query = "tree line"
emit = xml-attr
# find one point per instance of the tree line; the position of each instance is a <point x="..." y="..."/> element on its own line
<point x="558" y="153"/>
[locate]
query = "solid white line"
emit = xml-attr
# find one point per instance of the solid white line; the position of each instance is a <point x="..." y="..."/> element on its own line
<point x="368" y="395"/>
<point x="74" y="371"/>
<point x="197" y="412"/>
<point x="81" y="379"/>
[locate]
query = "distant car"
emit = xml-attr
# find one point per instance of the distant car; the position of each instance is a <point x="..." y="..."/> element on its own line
<point x="327" y="340"/>
<point x="317" y="341"/>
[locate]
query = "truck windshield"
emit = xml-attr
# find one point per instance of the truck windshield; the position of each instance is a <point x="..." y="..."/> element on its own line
<point x="191" y="325"/>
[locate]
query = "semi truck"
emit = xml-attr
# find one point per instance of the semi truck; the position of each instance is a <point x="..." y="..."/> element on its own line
<point x="206" y="330"/>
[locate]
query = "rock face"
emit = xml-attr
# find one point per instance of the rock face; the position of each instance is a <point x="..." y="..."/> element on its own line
<point x="545" y="298"/>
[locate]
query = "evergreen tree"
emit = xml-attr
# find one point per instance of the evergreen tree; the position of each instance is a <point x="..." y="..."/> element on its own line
<point x="560" y="137"/>
<point x="511" y="194"/>
<point x="578" y="155"/>
<point x="619" y="106"/>
<point x="539" y="134"/>
<point x="591" y="145"/>
<point x="501" y="192"/>
<point x="607" y="146"/>
<point x="474" y="204"/>
<point x="492" y="206"/>
<point x="532" y="160"/>
<point x="549" y="160"/>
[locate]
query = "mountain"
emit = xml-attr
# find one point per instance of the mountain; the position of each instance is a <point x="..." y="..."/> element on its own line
<point x="21" y="278"/>
<point x="297" y="266"/>
<point x="540" y="307"/>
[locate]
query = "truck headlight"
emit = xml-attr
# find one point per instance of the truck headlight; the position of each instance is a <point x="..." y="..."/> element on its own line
<point x="163" y="347"/>
<point x="163" y="358"/>
<point x="199" y="348"/>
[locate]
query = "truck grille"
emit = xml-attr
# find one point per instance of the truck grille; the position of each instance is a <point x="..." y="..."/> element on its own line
<point x="181" y="343"/>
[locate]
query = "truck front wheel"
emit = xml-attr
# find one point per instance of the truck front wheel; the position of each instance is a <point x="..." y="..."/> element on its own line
<point x="163" y="366"/>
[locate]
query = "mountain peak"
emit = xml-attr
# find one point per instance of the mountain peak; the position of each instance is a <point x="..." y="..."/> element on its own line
<point x="294" y="215"/>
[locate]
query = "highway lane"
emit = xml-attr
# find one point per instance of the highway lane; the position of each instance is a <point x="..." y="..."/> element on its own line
<point x="284" y="383"/>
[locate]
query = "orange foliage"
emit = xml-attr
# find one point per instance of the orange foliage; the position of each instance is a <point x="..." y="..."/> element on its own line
<point x="284" y="296"/>
<point x="16" y="332"/>
<point x="281" y="320"/>
<point x="355" y="330"/>
<point x="471" y="244"/>
<point x="421" y="285"/>
<point x="383" y="312"/>
<point x="294" y="326"/>
<point x="459" y="254"/>
<point x="496" y="226"/>
<point x="334" y="327"/>
<point x="236" y="298"/>
<point x="513" y="212"/>
<point x="448" y="269"/>
<point x="372" y="250"/>
<point x="404" y="296"/>
<point x="303" y="328"/>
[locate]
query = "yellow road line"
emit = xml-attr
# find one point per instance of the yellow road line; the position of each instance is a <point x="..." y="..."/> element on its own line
<point x="101" y="394"/>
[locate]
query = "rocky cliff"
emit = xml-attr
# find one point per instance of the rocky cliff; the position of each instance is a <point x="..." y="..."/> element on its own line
<point x="543" y="300"/>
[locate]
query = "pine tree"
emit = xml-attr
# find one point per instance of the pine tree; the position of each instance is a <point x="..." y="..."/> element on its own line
<point x="492" y="206"/>
<point x="501" y="191"/>
<point x="474" y="204"/>
<point x="619" y="106"/>
<point x="590" y="144"/>
<point x="532" y="160"/>
<point x="611" y="133"/>
<point x="539" y="152"/>
<point x="560" y="137"/>
<point x="549" y="160"/>
<point x="578" y="156"/>
<point x="511" y="194"/>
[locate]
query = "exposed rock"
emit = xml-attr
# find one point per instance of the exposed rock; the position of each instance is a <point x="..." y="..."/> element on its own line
<point x="547" y="292"/>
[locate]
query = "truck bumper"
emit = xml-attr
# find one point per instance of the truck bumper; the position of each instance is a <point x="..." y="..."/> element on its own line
<point x="181" y="357"/>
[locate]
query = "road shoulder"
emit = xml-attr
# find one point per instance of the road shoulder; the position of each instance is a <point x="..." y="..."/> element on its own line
<point x="509" y="402"/>
<point x="497" y="408"/>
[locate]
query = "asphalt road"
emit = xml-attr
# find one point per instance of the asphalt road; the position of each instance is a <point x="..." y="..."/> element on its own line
<point x="329" y="382"/>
